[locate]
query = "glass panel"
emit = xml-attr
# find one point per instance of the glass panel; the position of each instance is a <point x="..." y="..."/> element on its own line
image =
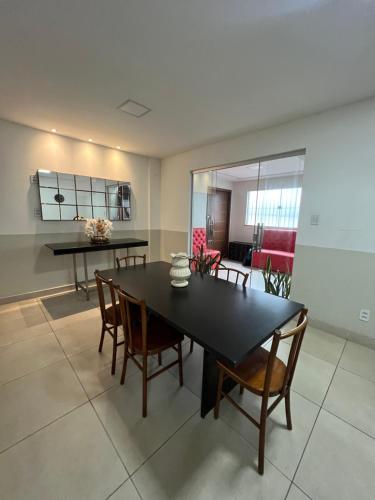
<point x="98" y="184"/>
<point x="114" y="213"/>
<point x="98" y="199"/>
<point x="203" y="217"/>
<point x="50" y="212"/>
<point x="83" y="182"/>
<point x="111" y="186"/>
<point x="83" y="198"/>
<point x="85" y="212"/>
<point x="66" y="181"/>
<point x="47" y="195"/>
<point x="68" y="212"/>
<point x="100" y="212"/>
<point x="113" y="199"/>
<point x="68" y="195"/>
<point x="273" y="211"/>
<point x="47" y="179"/>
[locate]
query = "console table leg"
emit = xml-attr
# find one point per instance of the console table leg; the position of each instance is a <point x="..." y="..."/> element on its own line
<point x="114" y="259"/>
<point x="75" y="271"/>
<point x="86" y="277"/>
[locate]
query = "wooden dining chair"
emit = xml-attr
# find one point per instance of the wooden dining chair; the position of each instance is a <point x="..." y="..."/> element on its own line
<point x="131" y="261"/>
<point x="264" y="374"/>
<point x="111" y="317"/>
<point x="224" y="272"/>
<point x="146" y="336"/>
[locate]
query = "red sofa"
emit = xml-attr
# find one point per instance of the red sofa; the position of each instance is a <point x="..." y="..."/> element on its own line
<point x="199" y="239"/>
<point x="279" y="244"/>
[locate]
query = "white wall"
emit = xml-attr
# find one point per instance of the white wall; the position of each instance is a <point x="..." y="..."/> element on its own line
<point x="339" y="185"/>
<point x="23" y="151"/>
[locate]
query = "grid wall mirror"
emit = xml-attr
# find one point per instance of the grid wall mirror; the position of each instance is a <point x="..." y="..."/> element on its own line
<point x="77" y="197"/>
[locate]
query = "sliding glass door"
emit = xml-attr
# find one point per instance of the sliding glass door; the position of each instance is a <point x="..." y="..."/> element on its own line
<point x="272" y="212"/>
<point x="203" y="211"/>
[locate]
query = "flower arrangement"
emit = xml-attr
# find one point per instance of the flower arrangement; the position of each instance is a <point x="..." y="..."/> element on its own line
<point x="98" y="230"/>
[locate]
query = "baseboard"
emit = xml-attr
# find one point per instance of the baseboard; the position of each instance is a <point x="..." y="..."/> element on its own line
<point x="42" y="293"/>
<point x="358" y="338"/>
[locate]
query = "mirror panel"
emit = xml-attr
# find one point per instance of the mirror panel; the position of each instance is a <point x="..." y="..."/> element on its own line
<point x="100" y="212"/>
<point x="67" y="197"/>
<point x="68" y="212"/>
<point x="66" y="181"/>
<point x="98" y="199"/>
<point x="83" y="198"/>
<point x="98" y="184"/>
<point x="51" y="212"/>
<point x="83" y="183"/>
<point x="47" y="179"/>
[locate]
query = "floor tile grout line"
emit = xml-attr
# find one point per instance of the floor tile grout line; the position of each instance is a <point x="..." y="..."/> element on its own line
<point x="165" y="442"/>
<point x="347" y="422"/>
<point x="300" y="489"/>
<point x="356" y="374"/>
<point x="43" y="427"/>
<point x="316" y="419"/>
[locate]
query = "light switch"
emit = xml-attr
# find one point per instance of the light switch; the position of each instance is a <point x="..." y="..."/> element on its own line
<point x="314" y="220"/>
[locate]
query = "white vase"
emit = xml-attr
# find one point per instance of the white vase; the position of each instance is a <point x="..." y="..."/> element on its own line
<point x="180" y="271"/>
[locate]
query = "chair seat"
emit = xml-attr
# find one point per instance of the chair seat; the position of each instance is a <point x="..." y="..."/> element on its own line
<point x="113" y="315"/>
<point x="160" y="336"/>
<point x="252" y="372"/>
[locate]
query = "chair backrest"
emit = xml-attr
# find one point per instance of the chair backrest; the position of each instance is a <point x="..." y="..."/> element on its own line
<point x="199" y="239"/>
<point x="128" y="321"/>
<point x="131" y="260"/>
<point x="297" y="333"/>
<point x="225" y="273"/>
<point x="101" y="283"/>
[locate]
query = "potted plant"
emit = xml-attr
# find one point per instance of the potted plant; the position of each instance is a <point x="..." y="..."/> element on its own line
<point x="275" y="282"/>
<point x="204" y="263"/>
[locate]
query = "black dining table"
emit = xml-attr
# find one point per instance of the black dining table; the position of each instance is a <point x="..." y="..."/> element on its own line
<point x="227" y="320"/>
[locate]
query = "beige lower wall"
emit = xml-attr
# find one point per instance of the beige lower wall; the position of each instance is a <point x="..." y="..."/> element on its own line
<point x="26" y="265"/>
<point x="335" y="284"/>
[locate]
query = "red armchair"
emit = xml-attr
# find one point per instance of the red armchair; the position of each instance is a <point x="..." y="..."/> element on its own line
<point x="279" y="244"/>
<point x="199" y="239"/>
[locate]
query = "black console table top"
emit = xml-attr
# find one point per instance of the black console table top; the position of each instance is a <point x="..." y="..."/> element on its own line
<point x="85" y="246"/>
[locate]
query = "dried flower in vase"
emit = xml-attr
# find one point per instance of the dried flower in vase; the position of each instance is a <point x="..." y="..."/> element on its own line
<point x="98" y="230"/>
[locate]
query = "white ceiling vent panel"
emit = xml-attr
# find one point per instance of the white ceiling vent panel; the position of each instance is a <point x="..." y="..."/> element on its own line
<point x="134" y="108"/>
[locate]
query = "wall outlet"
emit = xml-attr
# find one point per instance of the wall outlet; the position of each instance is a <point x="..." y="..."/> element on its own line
<point x="364" y="314"/>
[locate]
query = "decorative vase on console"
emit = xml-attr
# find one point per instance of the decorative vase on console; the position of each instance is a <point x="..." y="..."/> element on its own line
<point x="98" y="230"/>
<point x="180" y="271"/>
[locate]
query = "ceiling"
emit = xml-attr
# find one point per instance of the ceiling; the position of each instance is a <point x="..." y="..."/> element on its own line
<point x="208" y="69"/>
<point x="281" y="167"/>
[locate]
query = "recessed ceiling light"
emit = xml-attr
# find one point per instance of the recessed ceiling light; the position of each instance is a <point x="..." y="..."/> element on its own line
<point x="134" y="108"/>
<point x="53" y="130"/>
<point x="90" y="140"/>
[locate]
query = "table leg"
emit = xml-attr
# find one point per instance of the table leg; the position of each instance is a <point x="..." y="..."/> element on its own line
<point x="75" y="271"/>
<point x="209" y="383"/>
<point x="114" y="259"/>
<point x="86" y="277"/>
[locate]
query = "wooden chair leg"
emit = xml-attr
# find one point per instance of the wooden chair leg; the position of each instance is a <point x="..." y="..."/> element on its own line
<point x="114" y="351"/>
<point x="262" y="436"/>
<point x="287" y="411"/>
<point x="144" y="387"/>
<point x="102" y="337"/>
<point x="159" y="358"/>
<point x="218" y="394"/>
<point x="126" y="355"/>
<point x="180" y="373"/>
<point x="191" y="346"/>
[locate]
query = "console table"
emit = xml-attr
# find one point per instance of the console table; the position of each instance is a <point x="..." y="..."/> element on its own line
<point x="84" y="247"/>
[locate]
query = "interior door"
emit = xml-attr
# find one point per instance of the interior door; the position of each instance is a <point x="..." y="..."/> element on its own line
<point x="219" y="201"/>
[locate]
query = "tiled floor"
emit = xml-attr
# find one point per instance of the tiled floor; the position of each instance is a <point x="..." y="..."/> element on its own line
<point x="69" y="431"/>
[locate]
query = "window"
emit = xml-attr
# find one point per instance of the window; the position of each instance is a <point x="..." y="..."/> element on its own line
<point x="274" y="207"/>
